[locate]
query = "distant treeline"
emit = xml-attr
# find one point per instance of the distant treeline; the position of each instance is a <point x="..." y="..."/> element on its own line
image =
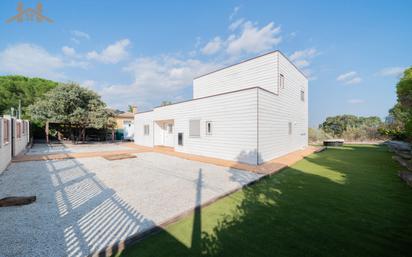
<point x="348" y="127"/>
<point x="27" y="90"/>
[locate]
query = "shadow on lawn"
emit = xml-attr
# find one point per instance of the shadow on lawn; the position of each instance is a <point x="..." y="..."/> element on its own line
<point x="303" y="211"/>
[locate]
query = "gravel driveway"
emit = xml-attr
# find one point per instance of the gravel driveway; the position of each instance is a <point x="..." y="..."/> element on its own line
<point x="86" y="204"/>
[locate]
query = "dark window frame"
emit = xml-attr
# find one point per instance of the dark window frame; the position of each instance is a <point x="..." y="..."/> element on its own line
<point x="209" y="128"/>
<point x="281" y="81"/>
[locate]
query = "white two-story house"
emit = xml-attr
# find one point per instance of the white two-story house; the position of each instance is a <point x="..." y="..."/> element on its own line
<point x="249" y="112"/>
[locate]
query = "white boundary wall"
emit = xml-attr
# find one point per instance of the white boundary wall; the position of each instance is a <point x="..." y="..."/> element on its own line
<point x="5" y="148"/>
<point x="17" y="140"/>
<point x="22" y="137"/>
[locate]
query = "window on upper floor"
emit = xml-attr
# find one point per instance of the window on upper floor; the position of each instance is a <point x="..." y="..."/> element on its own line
<point x="302" y="95"/>
<point x="281" y="81"/>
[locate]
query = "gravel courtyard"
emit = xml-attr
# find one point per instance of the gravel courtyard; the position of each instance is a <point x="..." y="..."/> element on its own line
<point x="86" y="204"/>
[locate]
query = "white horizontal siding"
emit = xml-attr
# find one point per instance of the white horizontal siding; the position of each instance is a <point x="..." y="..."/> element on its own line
<point x="250" y="125"/>
<point x="140" y="120"/>
<point x="276" y="111"/>
<point x="257" y="72"/>
<point x="234" y="125"/>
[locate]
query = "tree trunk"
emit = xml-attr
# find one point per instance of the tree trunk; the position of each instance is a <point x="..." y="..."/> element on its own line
<point x="84" y="135"/>
<point x="71" y="133"/>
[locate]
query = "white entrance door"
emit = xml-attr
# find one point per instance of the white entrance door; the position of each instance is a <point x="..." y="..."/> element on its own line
<point x="168" y="132"/>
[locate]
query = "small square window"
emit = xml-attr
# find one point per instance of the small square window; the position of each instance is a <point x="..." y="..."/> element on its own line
<point x="146" y="129"/>
<point x="208" y="128"/>
<point x="282" y="81"/>
<point x="302" y="95"/>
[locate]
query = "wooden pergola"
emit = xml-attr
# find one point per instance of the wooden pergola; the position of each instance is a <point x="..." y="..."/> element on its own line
<point x="59" y="135"/>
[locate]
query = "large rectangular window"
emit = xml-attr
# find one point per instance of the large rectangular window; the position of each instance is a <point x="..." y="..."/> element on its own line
<point x="302" y="95"/>
<point x="146" y="129"/>
<point x="194" y="128"/>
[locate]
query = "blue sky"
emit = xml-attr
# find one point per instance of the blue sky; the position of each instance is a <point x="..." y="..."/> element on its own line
<point x="143" y="53"/>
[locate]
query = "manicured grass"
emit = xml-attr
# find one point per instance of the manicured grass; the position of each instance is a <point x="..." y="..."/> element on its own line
<point x="342" y="202"/>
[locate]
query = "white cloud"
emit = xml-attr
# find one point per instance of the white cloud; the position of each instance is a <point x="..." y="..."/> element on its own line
<point x="30" y="60"/>
<point x="392" y="71"/>
<point x="156" y="78"/>
<point x="80" y="34"/>
<point x="69" y="51"/>
<point x="91" y="84"/>
<point x="77" y="64"/>
<point x="236" y="24"/>
<point x="113" y="53"/>
<point x="73" y="59"/>
<point x="234" y="12"/>
<point x="346" y="76"/>
<point x="304" y="54"/>
<point x="355" y="80"/>
<point x="302" y="59"/>
<point x="302" y="63"/>
<point x="75" y="40"/>
<point x="253" y="39"/>
<point x="213" y="46"/>
<point x="349" y="78"/>
<point x="356" y="101"/>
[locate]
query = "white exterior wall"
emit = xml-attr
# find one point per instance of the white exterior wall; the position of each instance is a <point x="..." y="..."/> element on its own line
<point x="5" y="149"/>
<point x="234" y="126"/>
<point x="20" y="143"/>
<point x="249" y="112"/>
<point x="276" y="111"/>
<point x="257" y="72"/>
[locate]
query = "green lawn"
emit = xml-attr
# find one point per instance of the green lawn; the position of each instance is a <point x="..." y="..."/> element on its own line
<point x="342" y="202"/>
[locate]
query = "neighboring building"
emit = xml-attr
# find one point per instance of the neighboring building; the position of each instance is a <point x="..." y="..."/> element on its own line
<point x="125" y="125"/>
<point x="14" y="137"/>
<point x="249" y="112"/>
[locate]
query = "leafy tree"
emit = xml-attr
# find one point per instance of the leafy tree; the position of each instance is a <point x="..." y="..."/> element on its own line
<point x="404" y="90"/>
<point x="399" y="121"/>
<point x="164" y="103"/>
<point x="337" y="125"/>
<point x="27" y="90"/>
<point x="404" y="106"/>
<point x="77" y="107"/>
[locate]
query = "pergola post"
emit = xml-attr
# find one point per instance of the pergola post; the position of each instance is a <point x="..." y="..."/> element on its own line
<point x="46" y="130"/>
